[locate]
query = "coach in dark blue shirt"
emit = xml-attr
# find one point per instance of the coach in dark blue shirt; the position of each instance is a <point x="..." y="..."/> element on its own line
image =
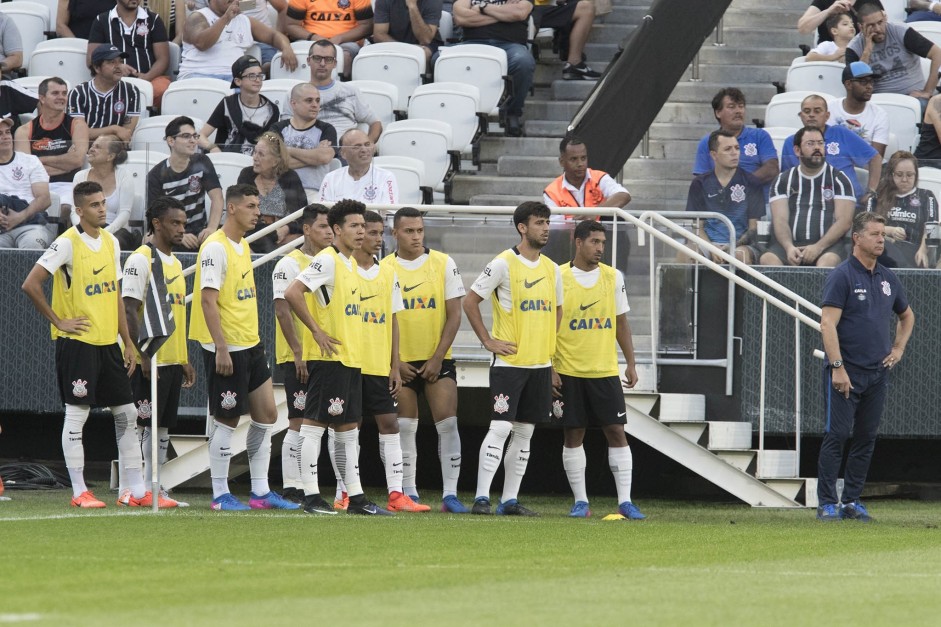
<point x="859" y="298"/>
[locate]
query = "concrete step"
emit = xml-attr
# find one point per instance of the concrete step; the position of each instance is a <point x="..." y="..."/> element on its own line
<point x="702" y="92"/>
<point x="604" y="33"/>
<point x="686" y="113"/>
<point x="546" y="128"/>
<point x="547" y="167"/>
<point x="768" y="18"/>
<point x="661" y="169"/>
<point x="551" y="110"/>
<point x="654" y="190"/>
<point x="625" y="14"/>
<point x="679" y="149"/>
<point x="749" y="36"/>
<point x="493" y="200"/>
<point x="683" y="131"/>
<point x="466" y="186"/>
<point x="742" y="75"/>
<point x="739" y="5"/>
<point x="758" y="55"/>
<point x="492" y="148"/>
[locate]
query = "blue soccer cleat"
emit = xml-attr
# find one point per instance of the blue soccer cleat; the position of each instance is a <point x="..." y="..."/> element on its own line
<point x="630" y="511"/>
<point x="451" y="504"/>
<point x="829" y="513"/>
<point x="580" y="510"/>
<point x="228" y="503"/>
<point x="855" y="511"/>
<point x="272" y="500"/>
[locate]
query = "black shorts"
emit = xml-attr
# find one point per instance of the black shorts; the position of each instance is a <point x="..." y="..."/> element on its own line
<point x="376" y="398"/>
<point x="773" y="247"/>
<point x="555" y="15"/>
<point x="91" y="375"/>
<point x="448" y="371"/>
<point x="169" y="384"/>
<point x="294" y="390"/>
<point x="334" y="393"/>
<point x="228" y="396"/>
<point x="521" y="394"/>
<point x="590" y="401"/>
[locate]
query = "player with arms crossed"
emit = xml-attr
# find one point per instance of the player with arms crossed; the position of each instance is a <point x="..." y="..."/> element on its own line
<point x="525" y="288"/>
<point x="593" y="318"/>
<point x="87" y="316"/>
<point x="225" y="322"/>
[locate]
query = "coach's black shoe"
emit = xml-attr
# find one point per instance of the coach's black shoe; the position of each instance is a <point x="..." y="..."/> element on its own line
<point x="362" y="506"/>
<point x="513" y="508"/>
<point x="481" y="506"/>
<point x="314" y="504"/>
<point x="293" y="494"/>
<point x="855" y="511"/>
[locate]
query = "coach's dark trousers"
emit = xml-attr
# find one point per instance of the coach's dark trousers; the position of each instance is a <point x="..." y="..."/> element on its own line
<point x="858" y="417"/>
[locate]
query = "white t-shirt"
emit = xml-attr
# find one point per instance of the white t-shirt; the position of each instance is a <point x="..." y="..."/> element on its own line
<point x="342" y="107"/>
<point x="19" y="173"/>
<point x="137" y="275"/>
<point x="322" y="273"/>
<point x="453" y="283"/>
<point x="285" y="271"/>
<point x="588" y="280"/>
<point x="212" y="276"/>
<point x="496" y="276"/>
<point x="60" y="253"/>
<point x="872" y="125"/>
<point x="397" y="303"/>
<point x="376" y="187"/>
<point x="826" y="47"/>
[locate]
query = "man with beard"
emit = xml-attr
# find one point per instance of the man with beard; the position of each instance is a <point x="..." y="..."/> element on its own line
<point x="811" y="208"/>
<point x="855" y="113"/>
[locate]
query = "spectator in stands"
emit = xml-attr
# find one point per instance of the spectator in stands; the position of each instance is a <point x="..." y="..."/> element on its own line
<point x="105" y="155"/>
<point x="173" y="15"/>
<point x="24" y="195"/>
<point x="579" y="185"/>
<point x="572" y="21"/>
<point x="855" y="113"/>
<point x="74" y="17"/>
<point x="59" y="140"/>
<point x="275" y="19"/>
<point x="503" y="25"/>
<point x="238" y="120"/>
<point x="845" y="149"/>
<point x="216" y="36"/>
<point x="811" y="208"/>
<point x="906" y="210"/>
<point x="894" y="52"/>
<point x="188" y="177"/>
<point x="923" y="11"/>
<point x="360" y="180"/>
<point x="341" y="105"/>
<point x="16" y="100"/>
<point x="346" y="23"/>
<point x="758" y="155"/>
<point x="815" y="17"/>
<point x="107" y="104"/>
<point x="280" y="190"/>
<point x="734" y="193"/>
<point x="411" y="22"/>
<point x="842" y="29"/>
<point x="311" y="143"/>
<point x="11" y="47"/>
<point x="142" y="35"/>
<point x="928" y="151"/>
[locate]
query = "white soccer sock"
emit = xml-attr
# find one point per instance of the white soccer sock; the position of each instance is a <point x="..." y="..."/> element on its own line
<point x="129" y="452"/>
<point x="391" y="449"/>
<point x="332" y="453"/>
<point x="220" y="453"/>
<point x="258" y="446"/>
<point x="289" y="455"/>
<point x="72" y="449"/>
<point x="163" y="442"/>
<point x="621" y="461"/>
<point x="311" y="439"/>
<point x="491" y="452"/>
<point x="408" y="427"/>
<point x="516" y="460"/>
<point x="573" y="461"/>
<point x="347" y="454"/>
<point x="449" y="453"/>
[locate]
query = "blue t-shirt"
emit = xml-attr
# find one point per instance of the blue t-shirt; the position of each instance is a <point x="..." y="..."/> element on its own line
<point x="755" y="148"/>
<point x="868" y="300"/>
<point x="844" y="150"/>
<point x="741" y="200"/>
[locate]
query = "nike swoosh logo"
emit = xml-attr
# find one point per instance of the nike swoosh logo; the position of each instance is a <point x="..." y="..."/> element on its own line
<point x="493" y="447"/>
<point x="169" y="281"/>
<point x="454" y="459"/>
<point x="409" y="288"/>
<point x="621" y="414"/>
<point x="528" y="285"/>
<point x="584" y="307"/>
<point x="224" y="448"/>
<point x="444" y="373"/>
<point x="713" y="195"/>
<point x="395" y="465"/>
<point x="362" y="298"/>
<point x="75" y="432"/>
<point x="245" y="274"/>
<point x="354" y="290"/>
<point x="98" y="270"/>
<point x="395" y="404"/>
<point x="313" y="465"/>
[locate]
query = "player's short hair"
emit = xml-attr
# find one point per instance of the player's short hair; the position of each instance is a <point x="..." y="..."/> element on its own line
<point x="799" y="135"/>
<point x="159" y="208"/>
<point x="863" y="218"/>
<point x="372" y="216"/>
<point x="52" y="80"/>
<point x="313" y="211"/>
<point x="570" y="140"/>
<point x="529" y="209"/>
<point x="585" y="228"/>
<point x="868" y="7"/>
<point x="406" y="212"/>
<point x="173" y="128"/>
<point x="734" y="93"/>
<point x="346" y="207"/>
<point x="83" y="190"/>
<point x="714" y="138"/>
<point x="235" y="193"/>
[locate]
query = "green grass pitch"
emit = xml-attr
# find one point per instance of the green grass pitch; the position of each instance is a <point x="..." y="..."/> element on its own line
<point x="688" y="564"/>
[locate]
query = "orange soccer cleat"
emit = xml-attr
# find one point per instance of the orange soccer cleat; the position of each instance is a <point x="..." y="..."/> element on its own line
<point x="87" y="500"/>
<point x="399" y="502"/>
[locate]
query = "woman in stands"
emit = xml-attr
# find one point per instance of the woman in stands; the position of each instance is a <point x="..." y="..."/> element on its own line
<point x="907" y="209"/>
<point x="104" y="156"/>
<point x="280" y="190"/>
<point x="929" y="146"/>
<point x="74" y="17"/>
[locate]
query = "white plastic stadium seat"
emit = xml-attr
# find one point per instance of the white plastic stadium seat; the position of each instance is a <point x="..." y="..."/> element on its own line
<point x="381" y="98"/>
<point x="302" y="71"/>
<point x="53" y="216"/>
<point x="454" y="103"/>
<point x="778" y="135"/>
<point x="64" y="57"/>
<point x="173" y="68"/>
<point x="904" y="116"/>
<point x="278" y="91"/>
<point x="52" y="7"/>
<point x="409" y="174"/>
<point x="228" y="165"/>
<point x="150" y="134"/>
<point x="138" y="164"/>
<point x="783" y="108"/>
<point x="195" y="97"/>
<point x="32" y="82"/>
<point x="482" y="66"/>
<point x="446" y="26"/>
<point x="32" y="22"/>
<point x="146" y="90"/>
<point x="930" y="178"/>
<point x="427" y="140"/>
<point x="396" y="63"/>
<point x="929" y="30"/>
<point x="895" y="10"/>
<point x="824" y="77"/>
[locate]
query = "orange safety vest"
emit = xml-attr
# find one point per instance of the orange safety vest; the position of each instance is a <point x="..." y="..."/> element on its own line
<point x="562" y="197"/>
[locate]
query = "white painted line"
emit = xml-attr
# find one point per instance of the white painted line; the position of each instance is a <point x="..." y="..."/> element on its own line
<point x="19" y="618"/>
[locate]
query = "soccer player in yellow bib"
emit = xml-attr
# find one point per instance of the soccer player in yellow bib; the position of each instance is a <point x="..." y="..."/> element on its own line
<point x="432" y="290"/>
<point x="594" y="318"/>
<point x="87" y="316"/>
<point x="166" y="223"/>
<point x="224" y="321"/>
<point x="525" y="288"/>
<point x="292" y="341"/>
<point x="334" y="385"/>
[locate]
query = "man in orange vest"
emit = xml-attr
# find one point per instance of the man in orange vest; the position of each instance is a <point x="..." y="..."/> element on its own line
<point x="579" y="185"/>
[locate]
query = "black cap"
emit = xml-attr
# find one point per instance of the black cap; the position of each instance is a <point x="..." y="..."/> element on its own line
<point x="241" y="64"/>
<point x="106" y="52"/>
